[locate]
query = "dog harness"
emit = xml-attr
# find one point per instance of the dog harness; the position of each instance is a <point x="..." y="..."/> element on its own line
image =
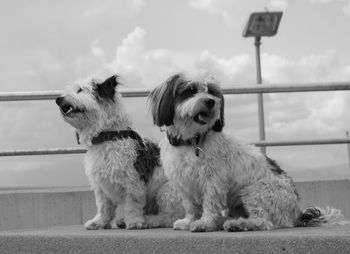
<point x="196" y="142"/>
<point x="115" y="135"/>
<point x="148" y="153"/>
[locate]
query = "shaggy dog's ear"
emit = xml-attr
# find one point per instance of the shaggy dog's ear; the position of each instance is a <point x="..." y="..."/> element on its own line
<point x="162" y="100"/>
<point x="106" y="90"/>
<point x="219" y="124"/>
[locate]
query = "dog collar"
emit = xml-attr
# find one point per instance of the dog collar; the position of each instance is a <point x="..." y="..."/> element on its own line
<point x="116" y="135"/>
<point x="195" y="141"/>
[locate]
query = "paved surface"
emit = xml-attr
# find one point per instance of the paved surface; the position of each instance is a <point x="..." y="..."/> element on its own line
<point x="75" y="239"/>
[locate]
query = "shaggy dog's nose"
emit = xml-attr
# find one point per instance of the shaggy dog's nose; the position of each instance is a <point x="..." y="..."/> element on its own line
<point x="210" y="103"/>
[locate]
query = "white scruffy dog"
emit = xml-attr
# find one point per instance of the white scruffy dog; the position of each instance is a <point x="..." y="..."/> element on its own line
<point x="223" y="183"/>
<point x="123" y="169"/>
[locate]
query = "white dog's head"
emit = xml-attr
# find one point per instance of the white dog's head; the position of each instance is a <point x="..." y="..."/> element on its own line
<point x="93" y="106"/>
<point x="187" y="107"/>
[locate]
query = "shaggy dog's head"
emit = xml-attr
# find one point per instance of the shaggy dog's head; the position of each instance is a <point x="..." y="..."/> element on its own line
<point x="188" y="107"/>
<point x="92" y="105"/>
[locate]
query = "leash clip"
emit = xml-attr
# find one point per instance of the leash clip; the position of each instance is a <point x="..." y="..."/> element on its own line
<point x="196" y="145"/>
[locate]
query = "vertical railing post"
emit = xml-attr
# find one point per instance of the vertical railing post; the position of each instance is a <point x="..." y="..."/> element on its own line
<point x="257" y="43"/>
<point x="347" y="136"/>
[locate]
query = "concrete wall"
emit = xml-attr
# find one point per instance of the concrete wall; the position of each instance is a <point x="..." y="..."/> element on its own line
<point x="42" y="208"/>
<point x="326" y="193"/>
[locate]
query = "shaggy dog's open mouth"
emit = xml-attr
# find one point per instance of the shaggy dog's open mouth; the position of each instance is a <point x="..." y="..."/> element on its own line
<point x="203" y="117"/>
<point x="68" y="109"/>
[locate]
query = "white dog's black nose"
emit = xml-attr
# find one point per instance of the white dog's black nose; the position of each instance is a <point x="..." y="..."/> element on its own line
<point x="59" y="100"/>
<point x="210" y="103"/>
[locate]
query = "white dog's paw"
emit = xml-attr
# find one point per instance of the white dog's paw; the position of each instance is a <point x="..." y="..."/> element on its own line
<point x="202" y="226"/>
<point x="97" y="224"/>
<point x="182" y="224"/>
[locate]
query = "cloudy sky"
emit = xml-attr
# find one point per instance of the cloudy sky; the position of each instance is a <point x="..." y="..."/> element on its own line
<point x="47" y="45"/>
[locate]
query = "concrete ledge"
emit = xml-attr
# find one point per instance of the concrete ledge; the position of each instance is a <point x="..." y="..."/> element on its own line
<point x="50" y="207"/>
<point x="75" y="239"/>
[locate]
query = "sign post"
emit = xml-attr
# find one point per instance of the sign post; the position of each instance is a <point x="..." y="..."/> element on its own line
<point x="261" y="24"/>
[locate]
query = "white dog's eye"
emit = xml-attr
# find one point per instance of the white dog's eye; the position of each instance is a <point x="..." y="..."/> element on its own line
<point x="79" y="90"/>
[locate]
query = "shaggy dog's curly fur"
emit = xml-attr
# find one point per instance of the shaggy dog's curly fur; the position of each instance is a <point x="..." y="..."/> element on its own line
<point x="223" y="182"/>
<point x="123" y="169"/>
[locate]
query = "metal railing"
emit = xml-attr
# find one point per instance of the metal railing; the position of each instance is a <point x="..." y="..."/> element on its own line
<point x="276" y="88"/>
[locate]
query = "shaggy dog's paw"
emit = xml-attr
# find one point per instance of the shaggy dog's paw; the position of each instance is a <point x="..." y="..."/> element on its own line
<point x="202" y="226"/>
<point x="233" y="226"/>
<point x="97" y="224"/>
<point x="182" y="224"/>
<point x="137" y="225"/>
<point x="120" y="223"/>
<point x="158" y="222"/>
<point x="245" y="225"/>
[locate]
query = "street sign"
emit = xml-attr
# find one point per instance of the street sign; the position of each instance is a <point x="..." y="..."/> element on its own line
<point x="262" y="24"/>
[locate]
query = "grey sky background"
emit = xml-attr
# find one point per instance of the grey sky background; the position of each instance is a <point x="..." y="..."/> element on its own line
<point x="48" y="45"/>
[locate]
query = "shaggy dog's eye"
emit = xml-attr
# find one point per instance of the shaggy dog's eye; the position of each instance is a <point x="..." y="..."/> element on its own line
<point x="211" y="92"/>
<point x="79" y="90"/>
<point x="189" y="92"/>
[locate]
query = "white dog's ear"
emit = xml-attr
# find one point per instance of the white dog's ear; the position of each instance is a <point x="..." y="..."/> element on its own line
<point x="106" y="89"/>
<point x="219" y="124"/>
<point x="162" y="100"/>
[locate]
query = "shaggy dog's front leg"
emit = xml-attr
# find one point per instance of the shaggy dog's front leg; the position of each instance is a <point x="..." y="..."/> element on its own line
<point x="105" y="212"/>
<point x="133" y="209"/>
<point x="214" y="200"/>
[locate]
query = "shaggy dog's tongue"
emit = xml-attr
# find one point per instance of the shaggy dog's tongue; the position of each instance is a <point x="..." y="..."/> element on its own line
<point x="201" y="117"/>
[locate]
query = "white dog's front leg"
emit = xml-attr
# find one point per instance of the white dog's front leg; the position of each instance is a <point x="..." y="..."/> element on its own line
<point x="105" y="212"/>
<point x="214" y="202"/>
<point x="191" y="212"/>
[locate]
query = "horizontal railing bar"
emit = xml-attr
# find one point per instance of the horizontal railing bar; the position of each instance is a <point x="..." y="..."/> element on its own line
<point x="50" y="151"/>
<point x="77" y="150"/>
<point x="302" y="142"/>
<point x="289" y="88"/>
<point x="51" y="95"/>
<point x="26" y="96"/>
<point x="246" y="89"/>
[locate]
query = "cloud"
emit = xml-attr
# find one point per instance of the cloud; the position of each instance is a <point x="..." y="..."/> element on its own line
<point x="232" y="10"/>
<point x="346" y="7"/>
<point x="229" y="71"/>
<point x="141" y="67"/>
<point x="107" y="7"/>
<point x="280" y="5"/>
<point x="312" y="68"/>
<point x="96" y="50"/>
<point x="215" y="7"/>
<point x="325" y="1"/>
